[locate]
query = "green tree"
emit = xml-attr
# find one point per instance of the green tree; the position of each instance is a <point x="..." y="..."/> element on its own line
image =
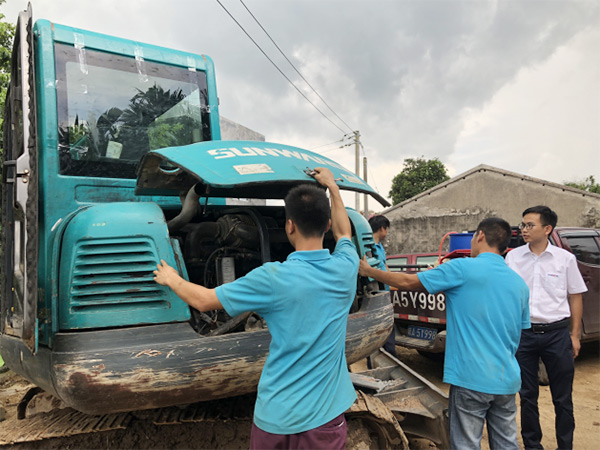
<point x="137" y="129"/>
<point x="589" y="184"/>
<point x="417" y="176"/>
<point x="7" y="32"/>
<point x="141" y="115"/>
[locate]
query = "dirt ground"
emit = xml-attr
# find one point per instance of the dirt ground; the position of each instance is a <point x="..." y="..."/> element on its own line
<point x="586" y="394"/>
<point x="586" y="397"/>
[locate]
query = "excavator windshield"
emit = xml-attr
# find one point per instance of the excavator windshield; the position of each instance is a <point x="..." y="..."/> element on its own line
<point x="112" y="109"/>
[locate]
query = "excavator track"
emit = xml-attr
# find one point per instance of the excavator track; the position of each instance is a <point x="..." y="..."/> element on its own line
<point x="67" y="422"/>
<point x="61" y="423"/>
<point x="393" y="402"/>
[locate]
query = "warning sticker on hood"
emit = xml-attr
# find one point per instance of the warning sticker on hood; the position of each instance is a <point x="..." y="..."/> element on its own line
<point x="249" y="169"/>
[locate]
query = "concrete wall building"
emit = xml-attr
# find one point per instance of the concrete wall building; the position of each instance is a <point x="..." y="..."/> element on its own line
<point x="232" y="131"/>
<point x="459" y="204"/>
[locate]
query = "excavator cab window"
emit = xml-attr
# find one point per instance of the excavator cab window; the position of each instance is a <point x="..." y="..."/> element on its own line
<point x="113" y="109"/>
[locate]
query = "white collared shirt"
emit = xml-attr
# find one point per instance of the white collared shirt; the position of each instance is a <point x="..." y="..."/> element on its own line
<point x="551" y="276"/>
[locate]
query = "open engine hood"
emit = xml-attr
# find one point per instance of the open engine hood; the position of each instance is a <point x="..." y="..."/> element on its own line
<point x="238" y="169"/>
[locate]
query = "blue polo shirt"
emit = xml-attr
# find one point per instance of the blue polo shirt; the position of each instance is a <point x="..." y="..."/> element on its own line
<point x="487" y="305"/>
<point x="305" y="302"/>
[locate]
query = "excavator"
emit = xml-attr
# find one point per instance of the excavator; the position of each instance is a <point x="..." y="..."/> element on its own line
<point x="112" y="161"/>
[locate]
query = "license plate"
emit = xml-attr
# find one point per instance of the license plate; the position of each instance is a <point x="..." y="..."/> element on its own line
<point x="425" y="333"/>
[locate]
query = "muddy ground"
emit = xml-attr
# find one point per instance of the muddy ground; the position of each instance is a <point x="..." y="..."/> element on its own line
<point x="586" y="397"/>
<point x="227" y="435"/>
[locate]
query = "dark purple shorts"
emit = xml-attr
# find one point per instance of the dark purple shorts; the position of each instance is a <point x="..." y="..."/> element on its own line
<point x="331" y="435"/>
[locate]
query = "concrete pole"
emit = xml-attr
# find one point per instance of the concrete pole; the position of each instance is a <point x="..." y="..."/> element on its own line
<point x="357" y="167"/>
<point x="366" y="198"/>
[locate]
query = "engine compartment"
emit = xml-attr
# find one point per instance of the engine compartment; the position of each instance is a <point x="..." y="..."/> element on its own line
<point x="221" y="244"/>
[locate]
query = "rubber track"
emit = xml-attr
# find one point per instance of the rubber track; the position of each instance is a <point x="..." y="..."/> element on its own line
<point x="68" y="422"/>
<point x="64" y="422"/>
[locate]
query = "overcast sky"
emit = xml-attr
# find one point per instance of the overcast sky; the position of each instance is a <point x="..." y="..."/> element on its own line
<point x="511" y="84"/>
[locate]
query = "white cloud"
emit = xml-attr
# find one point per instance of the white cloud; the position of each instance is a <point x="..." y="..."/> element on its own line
<point x="506" y="83"/>
<point x="546" y="123"/>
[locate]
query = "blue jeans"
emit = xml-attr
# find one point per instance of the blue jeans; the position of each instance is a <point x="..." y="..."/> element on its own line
<point x="469" y="410"/>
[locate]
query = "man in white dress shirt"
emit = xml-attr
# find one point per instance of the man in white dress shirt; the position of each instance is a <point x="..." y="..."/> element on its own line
<point x="555" y="288"/>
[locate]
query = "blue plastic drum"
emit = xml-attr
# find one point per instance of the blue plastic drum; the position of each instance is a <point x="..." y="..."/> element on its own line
<point x="460" y="241"/>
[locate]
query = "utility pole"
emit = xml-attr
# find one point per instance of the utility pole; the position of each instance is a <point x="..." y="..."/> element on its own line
<point x="366" y="198"/>
<point x="357" y="166"/>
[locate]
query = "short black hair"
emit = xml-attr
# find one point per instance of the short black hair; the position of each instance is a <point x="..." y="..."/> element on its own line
<point x="377" y="222"/>
<point x="497" y="232"/>
<point x="308" y="207"/>
<point x="547" y="216"/>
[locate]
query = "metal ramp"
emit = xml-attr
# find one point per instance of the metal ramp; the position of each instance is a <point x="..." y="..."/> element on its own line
<point x="419" y="406"/>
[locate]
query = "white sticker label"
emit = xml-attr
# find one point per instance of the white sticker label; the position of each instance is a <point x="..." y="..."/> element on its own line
<point x="114" y="149"/>
<point x="249" y="169"/>
<point x="352" y="178"/>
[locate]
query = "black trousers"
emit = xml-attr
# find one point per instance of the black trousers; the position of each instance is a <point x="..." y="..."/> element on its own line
<point x="556" y="350"/>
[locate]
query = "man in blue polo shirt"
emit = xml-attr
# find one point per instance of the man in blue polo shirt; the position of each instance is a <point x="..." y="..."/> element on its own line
<point x="486" y="308"/>
<point x="305" y="387"/>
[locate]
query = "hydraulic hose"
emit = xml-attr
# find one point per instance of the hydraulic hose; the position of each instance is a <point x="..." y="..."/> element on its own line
<point x="188" y="211"/>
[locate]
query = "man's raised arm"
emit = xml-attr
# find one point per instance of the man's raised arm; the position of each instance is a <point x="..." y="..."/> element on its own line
<point x="340" y="224"/>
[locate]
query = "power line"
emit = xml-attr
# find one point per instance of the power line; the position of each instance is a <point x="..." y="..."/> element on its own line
<point x="328" y="150"/>
<point x="373" y="178"/>
<point x="336" y="148"/>
<point x="324" y="145"/>
<point x="294" y="85"/>
<point x="275" y="65"/>
<point x="294" y="67"/>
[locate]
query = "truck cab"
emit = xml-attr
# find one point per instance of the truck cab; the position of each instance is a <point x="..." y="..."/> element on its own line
<point x="113" y="160"/>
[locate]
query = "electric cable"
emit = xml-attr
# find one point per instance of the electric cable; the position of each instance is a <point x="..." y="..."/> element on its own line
<point x="294" y="67"/>
<point x="277" y="67"/>
<point x="324" y="145"/>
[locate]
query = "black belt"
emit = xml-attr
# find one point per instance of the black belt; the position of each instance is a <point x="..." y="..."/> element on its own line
<point x="545" y="327"/>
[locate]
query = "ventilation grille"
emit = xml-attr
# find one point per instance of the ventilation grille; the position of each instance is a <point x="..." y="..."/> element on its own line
<point x="115" y="274"/>
<point x="367" y="238"/>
